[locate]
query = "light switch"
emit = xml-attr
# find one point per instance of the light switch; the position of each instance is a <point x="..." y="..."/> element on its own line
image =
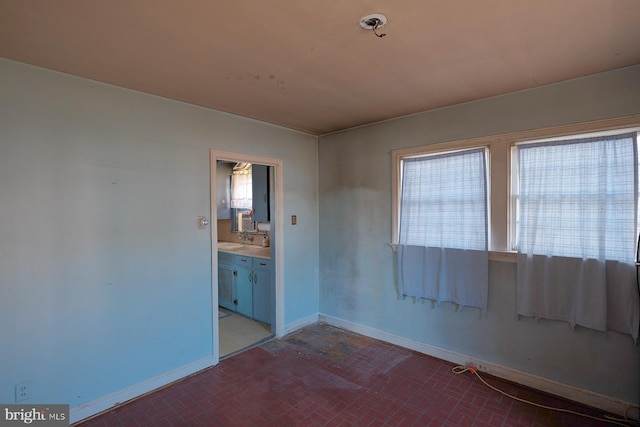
<point x="294" y="219"/>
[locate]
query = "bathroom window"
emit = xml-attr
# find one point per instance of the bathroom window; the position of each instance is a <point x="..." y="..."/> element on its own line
<point x="241" y="186"/>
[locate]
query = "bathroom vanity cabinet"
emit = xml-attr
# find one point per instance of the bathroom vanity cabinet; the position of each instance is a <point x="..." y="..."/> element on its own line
<point x="245" y="285"/>
<point x="263" y="300"/>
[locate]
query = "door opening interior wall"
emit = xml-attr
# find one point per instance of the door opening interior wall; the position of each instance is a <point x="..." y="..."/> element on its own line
<point x="233" y="332"/>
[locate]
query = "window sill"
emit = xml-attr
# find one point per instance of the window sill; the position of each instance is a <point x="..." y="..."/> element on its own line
<point x="500" y="256"/>
<point x="503" y="256"/>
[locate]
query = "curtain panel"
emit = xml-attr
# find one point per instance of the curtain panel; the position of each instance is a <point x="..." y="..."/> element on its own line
<point x="241" y="191"/>
<point x="577" y="232"/>
<point x="443" y="244"/>
<point x="444" y="275"/>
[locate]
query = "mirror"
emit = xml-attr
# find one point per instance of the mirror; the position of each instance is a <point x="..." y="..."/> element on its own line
<point x="241" y="220"/>
<point x="246" y="187"/>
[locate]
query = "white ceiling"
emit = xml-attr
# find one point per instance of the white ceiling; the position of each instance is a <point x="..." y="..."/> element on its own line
<point x="308" y="65"/>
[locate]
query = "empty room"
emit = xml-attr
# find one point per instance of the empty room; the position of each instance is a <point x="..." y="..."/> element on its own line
<point x="319" y="213"/>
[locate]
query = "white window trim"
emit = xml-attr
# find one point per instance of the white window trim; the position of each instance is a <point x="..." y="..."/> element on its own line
<point x="499" y="173"/>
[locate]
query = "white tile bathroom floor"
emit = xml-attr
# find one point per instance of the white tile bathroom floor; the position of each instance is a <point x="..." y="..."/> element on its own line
<point x="238" y="332"/>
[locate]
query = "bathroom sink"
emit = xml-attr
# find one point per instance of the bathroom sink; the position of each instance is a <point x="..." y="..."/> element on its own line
<point x="245" y="249"/>
<point x="231" y="246"/>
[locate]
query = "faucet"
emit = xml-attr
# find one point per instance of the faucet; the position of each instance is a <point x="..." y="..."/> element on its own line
<point x="244" y="235"/>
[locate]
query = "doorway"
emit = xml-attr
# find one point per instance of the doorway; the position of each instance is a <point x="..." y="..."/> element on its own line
<point x="236" y="324"/>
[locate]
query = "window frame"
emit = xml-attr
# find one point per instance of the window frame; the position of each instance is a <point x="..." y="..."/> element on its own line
<point x="446" y="152"/>
<point x="515" y="175"/>
<point x="499" y="164"/>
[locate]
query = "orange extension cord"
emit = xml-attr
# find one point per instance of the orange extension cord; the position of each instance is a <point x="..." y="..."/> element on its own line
<point x="612" y="420"/>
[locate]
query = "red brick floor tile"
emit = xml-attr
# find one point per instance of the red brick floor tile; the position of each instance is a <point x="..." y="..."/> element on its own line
<point x="323" y="376"/>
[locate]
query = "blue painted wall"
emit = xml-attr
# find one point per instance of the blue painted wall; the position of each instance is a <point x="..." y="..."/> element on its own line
<point x="357" y="267"/>
<point x="105" y="280"/>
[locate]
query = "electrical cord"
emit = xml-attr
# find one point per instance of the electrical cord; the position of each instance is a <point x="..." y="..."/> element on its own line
<point x="375" y="27"/>
<point x="626" y="422"/>
<point x="612" y="420"/>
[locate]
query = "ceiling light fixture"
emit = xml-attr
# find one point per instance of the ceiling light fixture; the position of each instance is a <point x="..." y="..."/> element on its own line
<point x="373" y="22"/>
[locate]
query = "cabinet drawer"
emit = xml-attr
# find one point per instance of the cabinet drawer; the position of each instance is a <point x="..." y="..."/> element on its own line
<point x="244" y="261"/>
<point x="261" y="264"/>
<point x="226" y="258"/>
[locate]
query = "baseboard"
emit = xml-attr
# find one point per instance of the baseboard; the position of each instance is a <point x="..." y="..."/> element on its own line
<point x="301" y="323"/>
<point x="103" y="403"/>
<point x="586" y="397"/>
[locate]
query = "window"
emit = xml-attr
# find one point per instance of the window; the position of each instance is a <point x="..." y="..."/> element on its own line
<point x="444" y="200"/>
<point x="502" y="173"/>
<point x="577" y="197"/>
<point x="443" y="232"/>
<point x="241" y="186"/>
<point x="420" y="219"/>
<point x="577" y="216"/>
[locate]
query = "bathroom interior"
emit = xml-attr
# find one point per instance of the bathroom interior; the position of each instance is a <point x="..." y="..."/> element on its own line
<point x="246" y="297"/>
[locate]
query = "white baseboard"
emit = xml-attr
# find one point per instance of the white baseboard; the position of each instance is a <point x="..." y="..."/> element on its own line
<point x="587" y="397"/>
<point x="103" y="403"/>
<point x="301" y="323"/>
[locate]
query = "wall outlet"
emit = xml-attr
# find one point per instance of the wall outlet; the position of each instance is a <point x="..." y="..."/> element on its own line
<point x="23" y="391"/>
<point x="478" y="366"/>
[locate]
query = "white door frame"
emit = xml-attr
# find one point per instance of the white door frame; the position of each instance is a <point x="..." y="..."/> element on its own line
<point x="277" y="222"/>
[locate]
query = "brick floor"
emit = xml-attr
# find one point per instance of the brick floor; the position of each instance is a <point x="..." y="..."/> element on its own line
<point x="324" y="376"/>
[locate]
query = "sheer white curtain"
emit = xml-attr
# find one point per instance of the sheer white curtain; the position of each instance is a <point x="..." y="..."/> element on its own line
<point x="241" y="191"/>
<point x="442" y="250"/>
<point x="577" y="230"/>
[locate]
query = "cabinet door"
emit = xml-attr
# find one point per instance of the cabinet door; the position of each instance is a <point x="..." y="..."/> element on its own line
<point x="260" y="188"/>
<point x="262" y="296"/>
<point x="225" y="287"/>
<point x="244" y="291"/>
